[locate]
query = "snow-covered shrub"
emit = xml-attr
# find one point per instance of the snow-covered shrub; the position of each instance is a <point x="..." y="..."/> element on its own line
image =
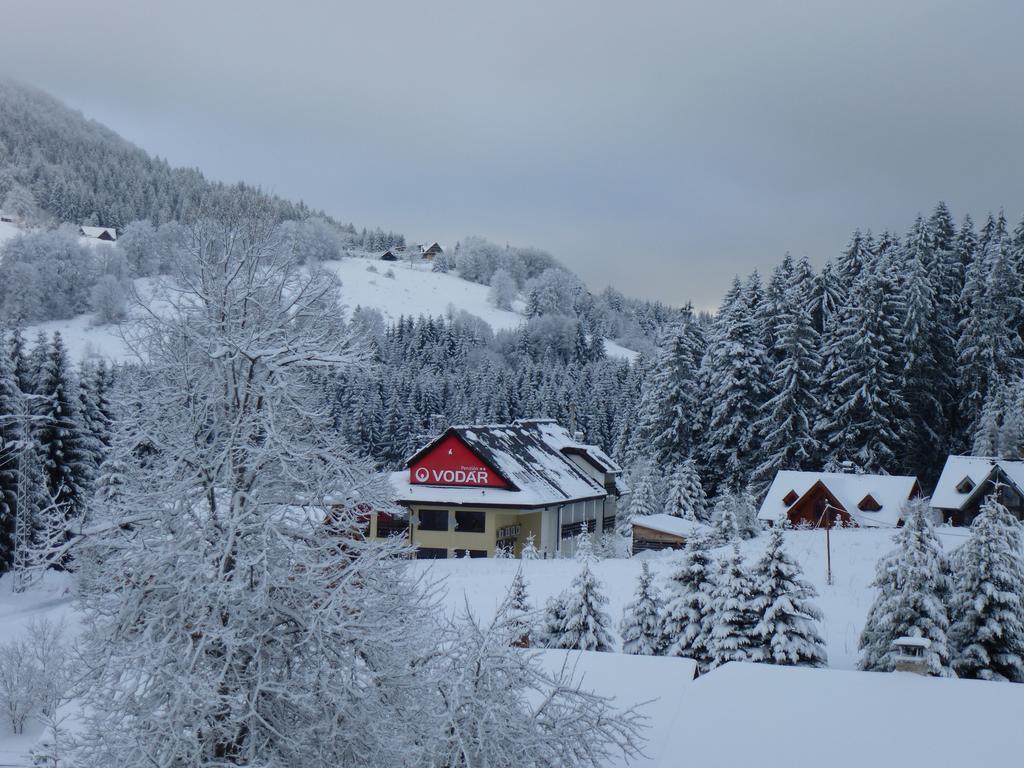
<point x="503" y="289"/>
<point x="529" y="550"/>
<point x="108" y="300"/>
<point x="390" y="273"/>
<point x="34" y="674"/>
<point x="642" y="626"/>
<point x="372" y="268"/>
<point x="504" y="710"/>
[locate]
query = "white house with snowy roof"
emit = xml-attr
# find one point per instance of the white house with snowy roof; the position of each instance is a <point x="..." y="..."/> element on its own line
<point x="966" y="481"/>
<point x="824" y="499"/>
<point x="480" y="487"/>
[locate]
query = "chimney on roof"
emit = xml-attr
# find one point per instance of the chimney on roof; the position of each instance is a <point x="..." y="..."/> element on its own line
<point x="577" y="436"/>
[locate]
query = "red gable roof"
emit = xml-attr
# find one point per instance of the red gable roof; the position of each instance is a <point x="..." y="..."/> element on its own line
<point x="449" y="461"/>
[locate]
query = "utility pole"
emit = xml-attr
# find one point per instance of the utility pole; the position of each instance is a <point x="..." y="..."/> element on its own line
<point x="828" y="544"/>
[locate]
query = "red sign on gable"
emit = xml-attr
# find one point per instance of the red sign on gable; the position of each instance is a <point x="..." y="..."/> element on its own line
<point x="450" y="462"/>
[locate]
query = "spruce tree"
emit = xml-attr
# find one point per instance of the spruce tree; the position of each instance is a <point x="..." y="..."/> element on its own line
<point x="987" y="605"/>
<point x="689" y="608"/>
<point x="913" y="587"/>
<point x="552" y="628"/>
<point x="734" y="635"/>
<point x="10" y="431"/>
<point x="735" y="370"/>
<point x="864" y="413"/>
<point x="786" y="426"/>
<point x="641" y="627"/>
<point x="62" y="441"/>
<point x="518" y="612"/>
<point x="788" y="619"/>
<point x="670" y="397"/>
<point x="586" y="623"/>
<point x="927" y="385"/>
<point x="686" y="497"/>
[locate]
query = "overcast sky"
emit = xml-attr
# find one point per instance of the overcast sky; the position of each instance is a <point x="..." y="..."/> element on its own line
<point x="660" y="147"/>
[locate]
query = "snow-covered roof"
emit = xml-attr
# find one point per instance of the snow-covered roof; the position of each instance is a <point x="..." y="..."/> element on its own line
<point x="978" y="470"/>
<point x="529" y="454"/>
<point x="889" y="491"/>
<point x="672" y="525"/>
<point x="913" y="642"/>
<point x="99" y="231"/>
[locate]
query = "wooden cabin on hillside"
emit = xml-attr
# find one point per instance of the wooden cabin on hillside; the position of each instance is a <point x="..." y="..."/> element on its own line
<point x="829" y="499"/>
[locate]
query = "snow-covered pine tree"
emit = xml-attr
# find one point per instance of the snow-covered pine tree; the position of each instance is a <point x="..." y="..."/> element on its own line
<point x="913" y="588"/>
<point x="734" y="635"/>
<point x="686" y="497"/>
<point x="642" y="498"/>
<point x="255" y="627"/>
<point x="786" y="425"/>
<point x="585" y="551"/>
<point x="735" y="516"/>
<point x="62" y="441"/>
<point x="735" y="370"/>
<point x="10" y="430"/>
<point x="518" y="613"/>
<point x="670" y="396"/>
<point x="529" y="550"/>
<point x="641" y="628"/>
<point x="552" y="629"/>
<point x="987" y="603"/>
<point x="723" y="517"/>
<point x="586" y="624"/>
<point x="989" y="348"/>
<point x="689" y="607"/>
<point x="788" y="619"/>
<point x="864" y="413"/>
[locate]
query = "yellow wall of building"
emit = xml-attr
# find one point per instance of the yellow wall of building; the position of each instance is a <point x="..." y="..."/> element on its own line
<point x="494" y="519"/>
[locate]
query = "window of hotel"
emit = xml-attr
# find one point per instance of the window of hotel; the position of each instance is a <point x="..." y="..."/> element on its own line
<point x="433" y="520"/>
<point x="470" y="522"/>
<point x="431" y="553"/>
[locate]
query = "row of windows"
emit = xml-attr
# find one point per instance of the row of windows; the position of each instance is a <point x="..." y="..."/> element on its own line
<point x="465" y="522"/>
<point x="571" y="530"/>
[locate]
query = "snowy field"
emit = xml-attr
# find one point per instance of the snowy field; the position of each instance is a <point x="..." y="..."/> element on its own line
<point x="679" y="710"/>
<point x="414" y="290"/>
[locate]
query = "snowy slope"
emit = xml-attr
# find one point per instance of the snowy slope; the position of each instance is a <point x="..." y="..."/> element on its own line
<point x="414" y="290"/>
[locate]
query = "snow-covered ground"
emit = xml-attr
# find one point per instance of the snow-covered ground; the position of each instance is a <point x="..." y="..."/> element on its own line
<point x="414" y="290"/>
<point x="686" y="718"/>
<point x="481" y="584"/>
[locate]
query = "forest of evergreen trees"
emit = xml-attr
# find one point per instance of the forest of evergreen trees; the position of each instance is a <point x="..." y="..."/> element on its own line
<point x="899" y="352"/>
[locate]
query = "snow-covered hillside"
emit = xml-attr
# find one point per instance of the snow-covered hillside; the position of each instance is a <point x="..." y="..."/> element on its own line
<point x="7" y="231"/>
<point x="413" y="290"/>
